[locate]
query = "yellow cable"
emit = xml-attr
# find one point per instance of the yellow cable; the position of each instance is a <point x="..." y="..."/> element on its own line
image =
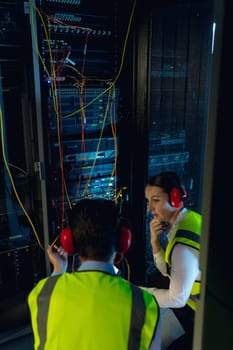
<point x="120" y="68"/>
<point x="12" y="181"/>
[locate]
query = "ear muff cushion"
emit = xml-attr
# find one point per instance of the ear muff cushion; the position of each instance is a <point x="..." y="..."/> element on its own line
<point x="175" y="197"/>
<point x="125" y="239"/>
<point x="66" y="241"/>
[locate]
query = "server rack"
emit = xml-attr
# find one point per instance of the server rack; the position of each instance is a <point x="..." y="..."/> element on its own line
<point x="21" y="259"/>
<point x="173" y="41"/>
<point x="78" y="57"/>
<point x="181" y="41"/>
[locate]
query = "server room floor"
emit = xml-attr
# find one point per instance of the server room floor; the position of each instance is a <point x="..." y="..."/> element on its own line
<point x="172" y="330"/>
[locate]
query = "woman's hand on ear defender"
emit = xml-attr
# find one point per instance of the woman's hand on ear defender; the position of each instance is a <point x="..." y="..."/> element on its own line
<point x="58" y="258"/>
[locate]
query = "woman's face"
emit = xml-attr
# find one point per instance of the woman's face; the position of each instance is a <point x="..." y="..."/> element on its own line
<point x="158" y="203"/>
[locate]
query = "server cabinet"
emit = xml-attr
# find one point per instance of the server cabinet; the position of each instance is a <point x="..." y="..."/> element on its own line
<point x="182" y="35"/>
<point x="21" y="259"/>
<point x="173" y="52"/>
<point x="78" y="57"/>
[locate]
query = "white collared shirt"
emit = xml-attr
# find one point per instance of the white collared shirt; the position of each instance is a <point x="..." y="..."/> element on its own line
<point x="184" y="271"/>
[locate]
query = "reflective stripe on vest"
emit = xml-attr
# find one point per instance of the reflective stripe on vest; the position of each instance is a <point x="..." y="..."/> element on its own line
<point x="43" y="307"/>
<point x="188" y="237"/>
<point x="139" y="335"/>
<point x="188" y="233"/>
<point x="195" y="293"/>
<point x="137" y="318"/>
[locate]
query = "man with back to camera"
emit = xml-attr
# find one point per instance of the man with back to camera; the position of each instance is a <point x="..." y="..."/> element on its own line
<point x="92" y="308"/>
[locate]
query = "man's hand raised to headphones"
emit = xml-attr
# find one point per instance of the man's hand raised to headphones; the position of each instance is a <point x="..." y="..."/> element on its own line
<point x="58" y="258"/>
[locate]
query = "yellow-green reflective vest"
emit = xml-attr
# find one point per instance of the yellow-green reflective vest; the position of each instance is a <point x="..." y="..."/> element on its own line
<point x="91" y="310"/>
<point x="187" y="232"/>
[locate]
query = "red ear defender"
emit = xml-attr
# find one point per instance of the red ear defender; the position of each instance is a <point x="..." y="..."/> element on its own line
<point x="125" y="239"/>
<point x="66" y="240"/>
<point x="176" y="197"/>
<point x="124" y="243"/>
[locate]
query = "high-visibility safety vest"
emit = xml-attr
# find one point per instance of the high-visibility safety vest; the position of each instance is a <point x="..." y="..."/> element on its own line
<point x="188" y="233"/>
<point x="91" y="310"/>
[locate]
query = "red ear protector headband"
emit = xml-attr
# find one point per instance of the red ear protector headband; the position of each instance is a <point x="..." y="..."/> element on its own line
<point x="66" y="240"/>
<point x="176" y="197"/>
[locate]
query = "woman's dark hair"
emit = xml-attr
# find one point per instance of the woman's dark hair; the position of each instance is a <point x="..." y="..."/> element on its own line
<point x="167" y="180"/>
<point x="94" y="225"/>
